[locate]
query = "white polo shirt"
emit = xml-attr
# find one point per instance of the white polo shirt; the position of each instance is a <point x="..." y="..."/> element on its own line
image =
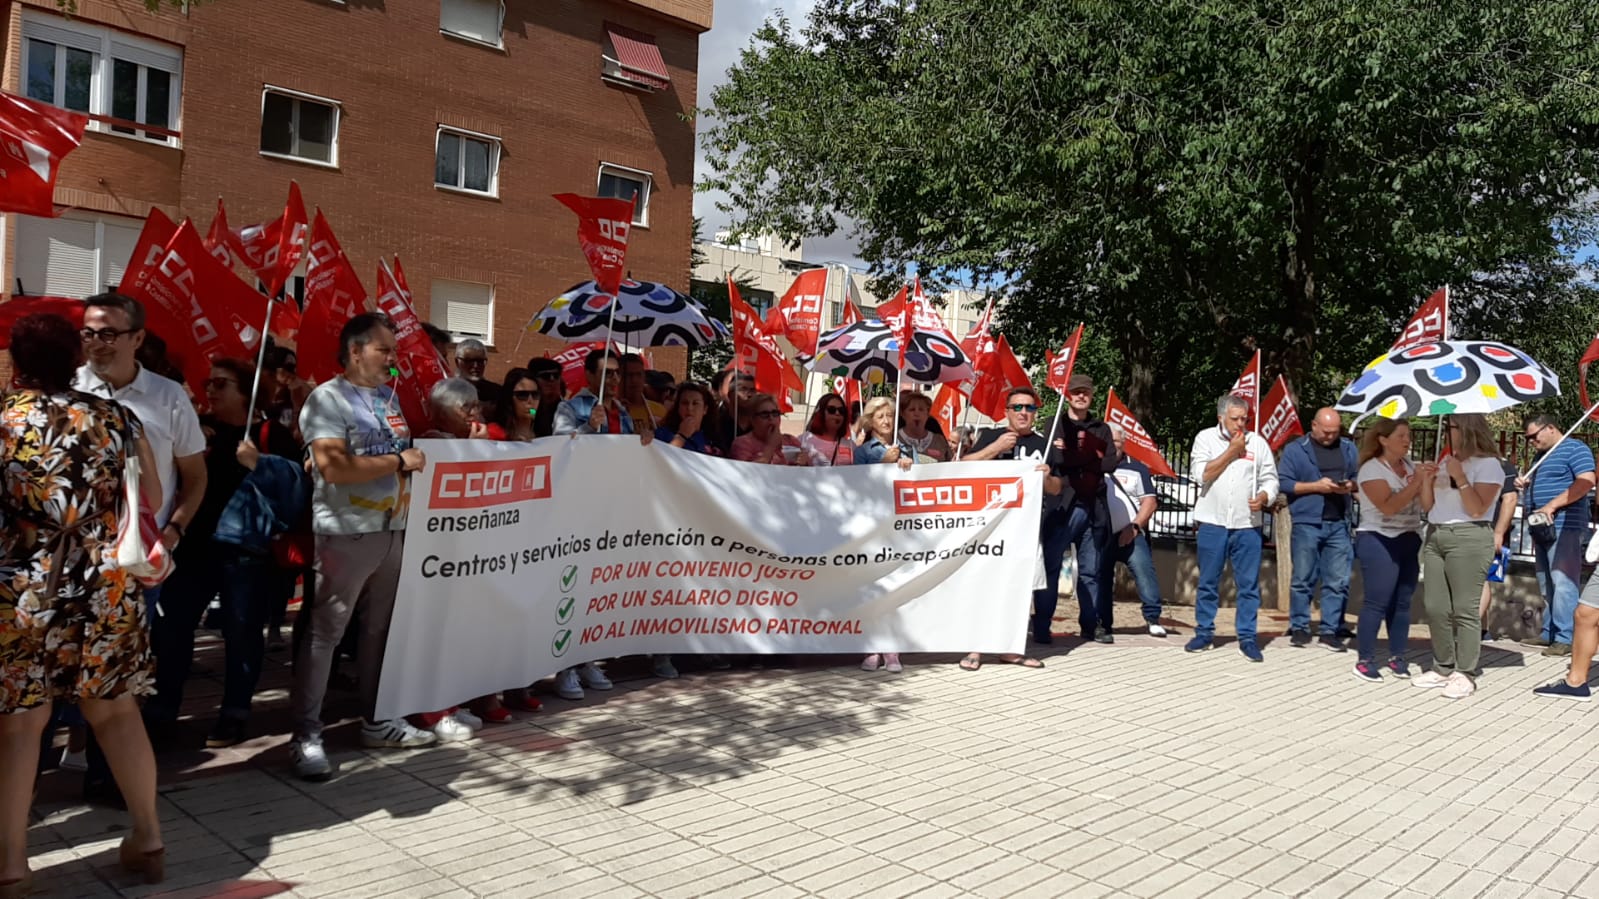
<point x="1225" y="501"/>
<point x="170" y="424"/>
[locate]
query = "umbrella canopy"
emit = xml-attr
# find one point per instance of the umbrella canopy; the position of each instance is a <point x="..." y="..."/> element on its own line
<point x="869" y="351"/>
<point x="647" y="314"/>
<point x="1447" y="378"/>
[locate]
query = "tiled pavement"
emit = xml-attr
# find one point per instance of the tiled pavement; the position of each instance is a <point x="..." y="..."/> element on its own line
<point x="1125" y="770"/>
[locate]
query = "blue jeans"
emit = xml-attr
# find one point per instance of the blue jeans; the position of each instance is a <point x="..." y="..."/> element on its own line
<point x="1559" y="580"/>
<point x="1090" y="533"/>
<point x="1389" y="567"/>
<point x="1052" y="537"/>
<point x="1218" y="545"/>
<point x="1140" y="563"/>
<point x="1322" y="553"/>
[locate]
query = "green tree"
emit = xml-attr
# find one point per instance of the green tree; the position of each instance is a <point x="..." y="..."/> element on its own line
<point x="1194" y="178"/>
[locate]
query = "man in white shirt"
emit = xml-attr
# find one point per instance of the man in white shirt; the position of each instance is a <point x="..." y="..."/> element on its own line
<point x="113" y="331"/>
<point x="1237" y="481"/>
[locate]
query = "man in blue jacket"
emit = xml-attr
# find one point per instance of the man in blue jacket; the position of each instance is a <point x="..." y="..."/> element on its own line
<point x="1317" y="474"/>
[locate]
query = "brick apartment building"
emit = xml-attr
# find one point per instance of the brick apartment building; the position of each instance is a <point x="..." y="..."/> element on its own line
<point x="434" y="129"/>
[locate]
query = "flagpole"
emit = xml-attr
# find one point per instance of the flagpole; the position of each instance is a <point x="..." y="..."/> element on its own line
<point x="260" y="359"/>
<point x="1574" y="427"/>
<point x="1055" y="422"/>
<point x="966" y="420"/>
<point x="899" y="388"/>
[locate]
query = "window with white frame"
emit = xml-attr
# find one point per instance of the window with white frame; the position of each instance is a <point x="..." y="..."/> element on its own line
<point x="465" y="160"/>
<point x="464" y="308"/>
<point x="126" y="79"/>
<point x="622" y="183"/>
<point x="73" y="256"/>
<point x="475" y="20"/>
<point x="299" y="126"/>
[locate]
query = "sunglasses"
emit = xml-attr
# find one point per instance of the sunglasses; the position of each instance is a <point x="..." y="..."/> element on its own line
<point x="1082" y="391"/>
<point x="525" y="394"/>
<point x="1022" y="407"/>
<point x="547" y="376"/>
<point x="1533" y="434"/>
<point x="833" y="410"/>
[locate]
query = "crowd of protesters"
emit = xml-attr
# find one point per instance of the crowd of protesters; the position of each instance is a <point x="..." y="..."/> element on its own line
<point x="309" y="495"/>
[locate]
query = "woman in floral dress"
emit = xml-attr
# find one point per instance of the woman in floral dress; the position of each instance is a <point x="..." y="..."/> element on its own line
<point x="71" y="627"/>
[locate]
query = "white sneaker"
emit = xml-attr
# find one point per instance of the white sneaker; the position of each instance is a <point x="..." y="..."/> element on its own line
<point x="593" y="678"/>
<point x="309" y="760"/>
<point x="567" y="686"/>
<point x="74" y="761"/>
<point x="663" y="667"/>
<point x="1459" y="686"/>
<point x="1429" y="679"/>
<point x="465" y="717"/>
<point x="1156" y="630"/>
<point x="451" y="730"/>
<point x="396" y="733"/>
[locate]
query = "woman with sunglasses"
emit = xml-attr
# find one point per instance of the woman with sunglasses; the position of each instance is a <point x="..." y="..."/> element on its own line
<point x="684" y="423"/>
<point x="766" y="443"/>
<point x="826" y="440"/>
<point x="524" y="412"/>
<point x="1459" y="503"/>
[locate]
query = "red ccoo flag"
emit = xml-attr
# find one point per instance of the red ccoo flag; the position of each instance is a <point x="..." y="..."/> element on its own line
<point x="34" y="138"/>
<point x="947" y="409"/>
<point x="1139" y="445"/>
<point x="333" y="296"/>
<point x="798" y="315"/>
<point x="1062" y="363"/>
<point x="755" y="351"/>
<point x="1247" y="388"/>
<point x="1588" y="358"/>
<point x="217" y="239"/>
<point x="10" y="311"/>
<point x="1282" y="417"/>
<point x="1001" y="371"/>
<point x="419" y="363"/>
<point x="603" y="226"/>
<point x="1430" y="324"/>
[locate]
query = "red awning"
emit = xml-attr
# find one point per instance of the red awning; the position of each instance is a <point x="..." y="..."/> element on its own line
<point x="631" y="57"/>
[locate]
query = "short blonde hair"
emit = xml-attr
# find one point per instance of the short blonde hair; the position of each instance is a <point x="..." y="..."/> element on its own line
<point x="871" y="408"/>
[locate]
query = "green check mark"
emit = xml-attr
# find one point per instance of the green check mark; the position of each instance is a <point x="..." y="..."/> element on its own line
<point x="568" y="578"/>
<point x="563" y="609"/>
<point x="561" y="643"/>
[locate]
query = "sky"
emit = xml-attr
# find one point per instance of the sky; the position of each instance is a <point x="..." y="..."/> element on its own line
<point x="730" y="32"/>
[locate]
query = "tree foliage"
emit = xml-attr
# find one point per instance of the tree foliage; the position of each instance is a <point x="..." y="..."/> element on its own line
<point x="1194" y="178"/>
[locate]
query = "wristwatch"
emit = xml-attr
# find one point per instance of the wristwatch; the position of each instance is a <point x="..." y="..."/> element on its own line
<point x="400" y="463"/>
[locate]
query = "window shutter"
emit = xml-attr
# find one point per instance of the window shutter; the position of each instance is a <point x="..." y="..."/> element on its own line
<point x="56" y="257"/>
<point x="152" y="58"/>
<point x="467" y="307"/>
<point x="55" y="34"/>
<point x="120" y="242"/>
<point x="479" y="20"/>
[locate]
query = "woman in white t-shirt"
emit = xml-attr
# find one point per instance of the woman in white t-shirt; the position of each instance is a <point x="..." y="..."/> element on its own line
<point x="1459" y="501"/>
<point x="1387" y="544"/>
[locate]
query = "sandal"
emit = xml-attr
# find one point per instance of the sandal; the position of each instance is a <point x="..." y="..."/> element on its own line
<point x="1024" y="661"/>
<point x="972" y="662"/>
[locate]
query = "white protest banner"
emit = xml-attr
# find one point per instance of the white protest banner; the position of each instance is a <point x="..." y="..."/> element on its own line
<point x="522" y="559"/>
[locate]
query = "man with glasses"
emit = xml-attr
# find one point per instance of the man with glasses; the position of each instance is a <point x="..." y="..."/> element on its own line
<point x="1018" y="440"/>
<point x="471" y="361"/>
<point x="1317" y="473"/>
<point x="581" y="413"/>
<point x="1237" y="482"/>
<point x="113" y="333"/>
<point x="1087" y="455"/>
<point x="1558" y="491"/>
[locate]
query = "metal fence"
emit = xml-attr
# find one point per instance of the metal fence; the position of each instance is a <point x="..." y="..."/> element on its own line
<point x="1174" y="516"/>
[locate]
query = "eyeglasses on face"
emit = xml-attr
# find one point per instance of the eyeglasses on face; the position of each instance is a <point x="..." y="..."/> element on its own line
<point x="1082" y="391"/>
<point x="613" y="372"/>
<point x="472" y="362"/>
<point x="525" y="394"/>
<point x="768" y="413"/>
<point x="547" y="376"/>
<point x="219" y="383"/>
<point x="833" y="410"/>
<point x="1533" y="434"/>
<point x="1022" y="407"/>
<point x="104" y="335"/>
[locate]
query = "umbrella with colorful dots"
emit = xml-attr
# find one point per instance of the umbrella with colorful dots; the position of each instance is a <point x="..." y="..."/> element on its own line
<point x="1448" y="378"/>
